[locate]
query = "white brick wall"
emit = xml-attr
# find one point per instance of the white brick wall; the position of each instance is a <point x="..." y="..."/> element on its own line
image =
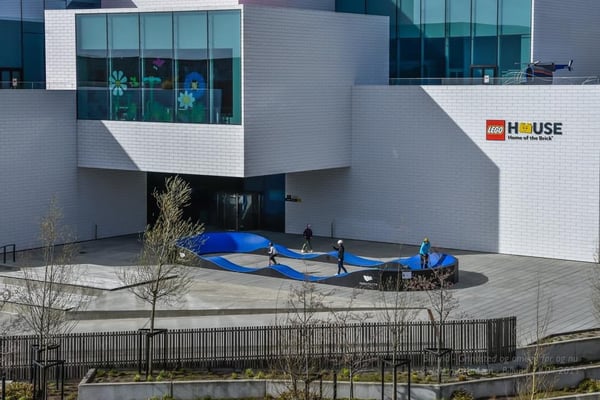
<point x="328" y="5"/>
<point x="38" y="160"/>
<point x="61" y="55"/>
<point x="421" y="166"/>
<point x="324" y="5"/>
<point x="162" y="147"/>
<point x="149" y="5"/>
<point x="565" y="30"/>
<point x="299" y="68"/>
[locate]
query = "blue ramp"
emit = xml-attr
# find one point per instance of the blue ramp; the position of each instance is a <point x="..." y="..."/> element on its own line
<point x="224" y="242"/>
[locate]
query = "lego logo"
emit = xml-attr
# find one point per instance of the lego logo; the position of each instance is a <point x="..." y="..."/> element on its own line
<point x="495" y="130"/>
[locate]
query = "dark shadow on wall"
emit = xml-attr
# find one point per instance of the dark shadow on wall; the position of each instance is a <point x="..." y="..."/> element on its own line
<point x="465" y="182"/>
<point x="429" y="177"/>
<point x="113" y="156"/>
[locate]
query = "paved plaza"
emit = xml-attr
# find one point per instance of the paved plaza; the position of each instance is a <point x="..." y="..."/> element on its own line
<point x="490" y="285"/>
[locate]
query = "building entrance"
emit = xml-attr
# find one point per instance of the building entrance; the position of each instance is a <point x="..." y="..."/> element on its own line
<point x="239" y="211"/>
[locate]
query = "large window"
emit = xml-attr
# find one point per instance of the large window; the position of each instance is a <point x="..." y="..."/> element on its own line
<point x="444" y="38"/>
<point x="124" y="67"/>
<point x="92" y="68"/>
<point x="515" y="36"/>
<point x="459" y="38"/>
<point x="162" y="67"/>
<point x="191" y="67"/>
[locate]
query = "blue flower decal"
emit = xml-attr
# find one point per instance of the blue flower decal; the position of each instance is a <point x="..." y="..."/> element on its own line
<point x="195" y="84"/>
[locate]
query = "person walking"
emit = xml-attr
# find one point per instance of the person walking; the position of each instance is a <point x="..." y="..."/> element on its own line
<point x="272" y="253"/>
<point x="424" y="253"/>
<point x="340" y="249"/>
<point x="307" y="234"/>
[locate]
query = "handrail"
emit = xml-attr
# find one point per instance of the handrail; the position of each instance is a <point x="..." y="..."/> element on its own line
<point x="14" y="250"/>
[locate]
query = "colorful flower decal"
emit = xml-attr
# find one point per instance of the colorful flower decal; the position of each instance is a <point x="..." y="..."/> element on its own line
<point x="118" y="83"/>
<point x="152" y="80"/>
<point x="195" y="84"/>
<point x="157" y="63"/>
<point x="133" y="82"/>
<point x="186" y="100"/>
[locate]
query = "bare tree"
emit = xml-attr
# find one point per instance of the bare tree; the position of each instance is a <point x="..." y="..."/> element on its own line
<point x="398" y="306"/>
<point x="437" y="285"/>
<point x="536" y="384"/>
<point x="47" y="292"/>
<point x="352" y="356"/>
<point x="595" y="283"/>
<point x="160" y="277"/>
<point x="5" y="297"/>
<point x="306" y="309"/>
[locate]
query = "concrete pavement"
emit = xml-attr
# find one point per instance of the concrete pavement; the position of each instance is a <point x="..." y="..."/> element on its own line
<point x="553" y="293"/>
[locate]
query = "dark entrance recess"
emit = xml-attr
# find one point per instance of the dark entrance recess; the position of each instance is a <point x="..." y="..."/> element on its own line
<point x="223" y="203"/>
<point x="484" y="70"/>
<point x="11" y="77"/>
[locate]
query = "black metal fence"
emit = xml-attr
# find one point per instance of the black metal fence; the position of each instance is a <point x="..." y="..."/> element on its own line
<point x="471" y="342"/>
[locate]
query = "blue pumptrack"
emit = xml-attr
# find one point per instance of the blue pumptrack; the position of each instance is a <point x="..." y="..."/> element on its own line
<point x="205" y="244"/>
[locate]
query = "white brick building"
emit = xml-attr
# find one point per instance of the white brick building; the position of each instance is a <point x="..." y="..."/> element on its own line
<point x="368" y="160"/>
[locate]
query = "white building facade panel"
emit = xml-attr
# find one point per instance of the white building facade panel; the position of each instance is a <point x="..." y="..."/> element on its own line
<point x="61" y="56"/>
<point x="171" y="5"/>
<point x="563" y="31"/>
<point x="162" y="147"/>
<point x="421" y="166"/>
<point x="38" y="160"/>
<point x="325" y="5"/>
<point x="299" y="68"/>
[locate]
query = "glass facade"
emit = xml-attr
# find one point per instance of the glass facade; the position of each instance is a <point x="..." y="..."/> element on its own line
<point x="160" y="67"/>
<point x="22" y="32"/>
<point x="452" y="38"/>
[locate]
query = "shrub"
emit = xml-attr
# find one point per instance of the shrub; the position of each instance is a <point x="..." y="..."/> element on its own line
<point x="162" y="375"/>
<point x="588" y="386"/>
<point x="19" y="391"/>
<point x="461" y="394"/>
<point x="249" y="373"/>
<point x="137" y="378"/>
<point x="344" y="373"/>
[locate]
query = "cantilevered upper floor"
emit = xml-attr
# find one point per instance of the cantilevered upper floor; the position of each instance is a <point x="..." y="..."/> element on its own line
<point x="226" y="89"/>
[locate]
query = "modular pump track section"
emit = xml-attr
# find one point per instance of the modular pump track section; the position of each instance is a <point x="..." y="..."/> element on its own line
<point x="373" y="274"/>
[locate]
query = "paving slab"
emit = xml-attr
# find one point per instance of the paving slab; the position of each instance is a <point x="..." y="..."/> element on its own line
<point x="491" y="285"/>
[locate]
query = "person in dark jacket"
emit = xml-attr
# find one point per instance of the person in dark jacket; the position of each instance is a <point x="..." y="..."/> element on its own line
<point x="340" y="249"/>
<point x="307" y="245"/>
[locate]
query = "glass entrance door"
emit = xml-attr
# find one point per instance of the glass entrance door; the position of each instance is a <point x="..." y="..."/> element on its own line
<point x="487" y="73"/>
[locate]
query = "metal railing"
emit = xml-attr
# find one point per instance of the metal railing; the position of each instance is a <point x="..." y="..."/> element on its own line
<point x="5" y="250"/>
<point x="471" y="341"/>
<point x="517" y="78"/>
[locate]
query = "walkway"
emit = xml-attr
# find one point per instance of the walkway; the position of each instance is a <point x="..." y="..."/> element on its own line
<point x="491" y="285"/>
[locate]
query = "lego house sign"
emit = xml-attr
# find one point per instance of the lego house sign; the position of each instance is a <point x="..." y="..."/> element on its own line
<point x="502" y="130"/>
